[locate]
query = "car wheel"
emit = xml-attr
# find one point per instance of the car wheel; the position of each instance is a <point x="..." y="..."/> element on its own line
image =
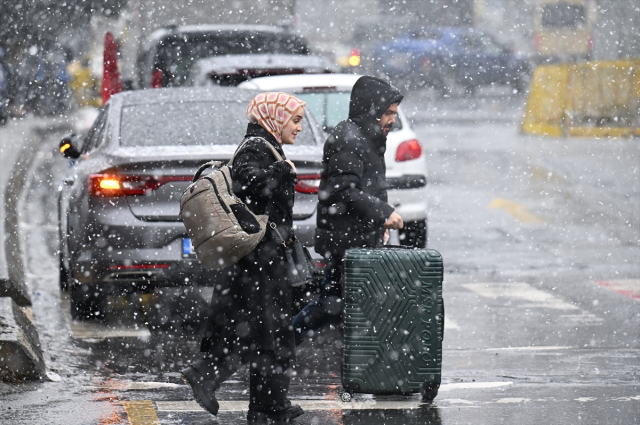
<point x="429" y="392"/>
<point x="414" y="234"/>
<point x="87" y="301"/>
<point x="64" y="276"/>
<point x="522" y="82"/>
<point x="450" y="87"/>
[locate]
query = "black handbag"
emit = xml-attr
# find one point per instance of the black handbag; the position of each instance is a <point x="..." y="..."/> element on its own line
<point x="297" y="257"/>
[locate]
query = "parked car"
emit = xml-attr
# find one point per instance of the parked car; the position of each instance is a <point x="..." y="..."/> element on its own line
<point x="231" y="70"/>
<point x="120" y="229"/>
<point x="451" y="59"/>
<point x="4" y="95"/>
<point x="327" y="96"/>
<point x="171" y="52"/>
<point x="562" y="30"/>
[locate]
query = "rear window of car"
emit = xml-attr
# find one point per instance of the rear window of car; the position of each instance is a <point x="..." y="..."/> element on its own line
<point x="563" y="15"/>
<point x="330" y="108"/>
<point x="176" y="55"/>
<point x="190" y="124"/>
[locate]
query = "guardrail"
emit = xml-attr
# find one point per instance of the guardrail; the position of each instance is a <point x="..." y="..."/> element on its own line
<point x="588" y="99"/>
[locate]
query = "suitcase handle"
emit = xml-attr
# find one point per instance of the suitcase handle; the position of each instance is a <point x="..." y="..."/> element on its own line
<point x="430" y="252"/>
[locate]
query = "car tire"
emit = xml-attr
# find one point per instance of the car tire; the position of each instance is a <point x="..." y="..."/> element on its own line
<point x="87" y="301"/>
<point x="429" y="392"/>
<point x="450" y="87"/>
<point x="414" y="234"/>
<point x="522" y="82"/>
<point x="65" y="277"/>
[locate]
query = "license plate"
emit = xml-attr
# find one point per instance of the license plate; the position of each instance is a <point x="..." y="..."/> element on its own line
<point x="187" y="249"/>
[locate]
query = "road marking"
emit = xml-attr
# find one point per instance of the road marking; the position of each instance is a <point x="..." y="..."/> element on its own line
<point x="627" y="287"/>
<point x="517" y="211"/>
<point x="512" y="400"/>
<point x="98" y="331"/>
<point x="135" y="386"/>
<point x="354" y="404"/>
<point x="531" y="348"/>
<point x="141" y="412"/>
<point x="473" y="385"/>
<point x="450" y="324"/>
<point x="308" y="405"/>
<point x="520" y="291"/>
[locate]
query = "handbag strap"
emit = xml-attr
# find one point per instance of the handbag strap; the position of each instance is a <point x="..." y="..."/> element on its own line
<point x="277" y="156"/>
<point x="278" y="230"/>
<point x="273" y="150"/>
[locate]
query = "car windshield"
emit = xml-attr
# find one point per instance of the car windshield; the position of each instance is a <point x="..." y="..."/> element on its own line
<point x="190" y="124"/>
<point x="176" y="55"/>
<point x="330" y="108"/>
<point x="563" y="15"/>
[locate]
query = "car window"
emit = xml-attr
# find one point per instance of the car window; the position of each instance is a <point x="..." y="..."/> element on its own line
<point x="426" y="35"/>
<point x="176" y="55"/>
<point x="96" y="134"/>
<point x="471" y="42"/>
<point x="563" y="15"/>
<point x="490" y="46"/>
<point x="330" y="108"/>
<point x="190" y="124"/>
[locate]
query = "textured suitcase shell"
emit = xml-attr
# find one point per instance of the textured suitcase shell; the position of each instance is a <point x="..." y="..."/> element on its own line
<point x="393" y="320"/>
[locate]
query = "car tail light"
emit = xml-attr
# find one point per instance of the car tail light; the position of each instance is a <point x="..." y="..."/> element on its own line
<point x="537" y="41"/>
<point x="354" y="57"/>
<point x="114" y="185"/>
<point x="308" y="183"/>
<point x="156" y="79"/>
<point x="408" y="150"/>
<point x="426" y="62"/>
<point x="138" y="266"/>
<point x="589" y="43"/>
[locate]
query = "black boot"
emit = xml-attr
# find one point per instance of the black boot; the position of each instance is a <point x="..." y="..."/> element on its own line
<point x="257" y="415"/>
<point x="204" y="377"/>
<point x="269" y="384"/>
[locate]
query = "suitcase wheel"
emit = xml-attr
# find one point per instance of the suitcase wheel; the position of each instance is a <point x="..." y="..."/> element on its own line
<point x="345" y="396"/>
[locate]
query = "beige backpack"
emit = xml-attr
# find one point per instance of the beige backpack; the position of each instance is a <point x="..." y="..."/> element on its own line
<point x="221" y="227"/>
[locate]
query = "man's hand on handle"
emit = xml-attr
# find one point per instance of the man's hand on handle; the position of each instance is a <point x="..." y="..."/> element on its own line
<point x="393" y="222"/>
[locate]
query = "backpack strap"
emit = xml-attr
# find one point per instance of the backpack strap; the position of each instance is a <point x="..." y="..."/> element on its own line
<point x="273" y="150"/>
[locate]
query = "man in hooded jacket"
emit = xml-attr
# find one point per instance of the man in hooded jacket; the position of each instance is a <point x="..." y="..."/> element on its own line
<point x="352" y="209"/>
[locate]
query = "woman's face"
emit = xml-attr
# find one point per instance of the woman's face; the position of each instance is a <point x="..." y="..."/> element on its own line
<point x="293" y="127"/>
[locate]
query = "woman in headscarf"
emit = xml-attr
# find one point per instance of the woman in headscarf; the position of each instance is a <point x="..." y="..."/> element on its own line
<point x="251" y="314"/>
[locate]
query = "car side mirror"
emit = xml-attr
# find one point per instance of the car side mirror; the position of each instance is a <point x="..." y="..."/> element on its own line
<point x="70" y="146"/>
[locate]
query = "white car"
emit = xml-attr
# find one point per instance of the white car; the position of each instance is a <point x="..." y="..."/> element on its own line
<point x="327" y="95"/>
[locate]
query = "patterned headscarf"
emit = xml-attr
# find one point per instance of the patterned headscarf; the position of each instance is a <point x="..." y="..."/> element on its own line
<point x="273" y="110"/>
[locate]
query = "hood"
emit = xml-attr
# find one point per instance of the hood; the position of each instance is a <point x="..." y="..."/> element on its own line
<point x="370" y="98"/>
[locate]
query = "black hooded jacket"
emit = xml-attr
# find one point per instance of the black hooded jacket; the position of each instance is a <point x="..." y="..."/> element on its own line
<point x="352" y="195"/>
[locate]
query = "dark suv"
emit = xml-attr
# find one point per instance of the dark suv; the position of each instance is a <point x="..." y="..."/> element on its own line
<point x="171" y="52"/>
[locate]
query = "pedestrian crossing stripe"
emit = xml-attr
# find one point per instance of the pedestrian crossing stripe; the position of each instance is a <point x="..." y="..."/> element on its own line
<point x="627" y="287"/>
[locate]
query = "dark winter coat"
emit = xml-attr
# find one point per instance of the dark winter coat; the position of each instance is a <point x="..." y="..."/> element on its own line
<point x="253" y="308"/>
<point x="352" y="195"/>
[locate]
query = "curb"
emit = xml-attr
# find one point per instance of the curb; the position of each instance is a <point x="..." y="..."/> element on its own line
<point x="20" y="351"/>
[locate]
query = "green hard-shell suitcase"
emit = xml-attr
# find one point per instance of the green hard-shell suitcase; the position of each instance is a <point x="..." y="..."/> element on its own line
<point x="393" y="321"/>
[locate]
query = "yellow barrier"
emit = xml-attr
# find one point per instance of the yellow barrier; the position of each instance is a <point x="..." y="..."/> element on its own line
<point x="589" y="99"/>
<point x="87" y="89"/>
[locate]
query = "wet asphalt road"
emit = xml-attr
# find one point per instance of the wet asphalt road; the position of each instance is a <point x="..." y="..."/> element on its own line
<point x="541" y="242"/>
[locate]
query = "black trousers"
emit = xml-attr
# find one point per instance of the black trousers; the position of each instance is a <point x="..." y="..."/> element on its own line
<point x="327" y="307"/>
<point x="268" y="375"/>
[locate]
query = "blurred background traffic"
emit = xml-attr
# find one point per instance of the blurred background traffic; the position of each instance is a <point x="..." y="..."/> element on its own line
<point x="51" y="52"/>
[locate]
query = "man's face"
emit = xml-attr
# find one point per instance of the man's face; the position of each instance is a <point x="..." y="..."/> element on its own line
<point x="388" y="119"/>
